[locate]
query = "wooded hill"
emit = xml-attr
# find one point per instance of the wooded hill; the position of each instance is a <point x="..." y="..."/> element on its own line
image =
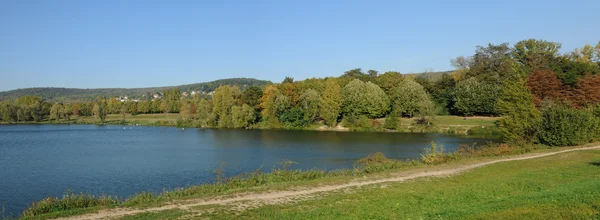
<point x="77" y="95"/>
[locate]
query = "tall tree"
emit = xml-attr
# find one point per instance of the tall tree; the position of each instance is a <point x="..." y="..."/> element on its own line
<point x="544" y="84"/>
<point x="310" y="102"/>
<point x="332" y="102"/>
<point x="251" y="96"/>
<point x="536" y="54"/>
<point x="267" y="103"/>
<point x="520" y="116"/>
<point x="224" y="98"/>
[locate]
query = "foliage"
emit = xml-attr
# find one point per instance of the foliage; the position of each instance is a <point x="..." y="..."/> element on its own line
<point x="332" y="102"/>
<point x="242" y="116"/>
<point x="223" y="99"/>
<point x="435" y="155"/>
<point x="391" y="122"/>
<point x="69" y="201"/>
<point x="311" y="102"/>
<point x="267" y="103"/>
<point x="361" y="98"/>
<point x="475" y="97"/>
<point x="565" y="126"/>
<point x="293" y="118"/>
<point x="520" y="117"/>
<point x="409" y="98"/>
<point x="251" y="96"/>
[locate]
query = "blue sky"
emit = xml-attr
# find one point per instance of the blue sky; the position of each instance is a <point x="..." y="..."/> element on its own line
<point x="99" y="44"/>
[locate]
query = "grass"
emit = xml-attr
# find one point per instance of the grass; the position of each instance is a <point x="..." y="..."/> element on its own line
<point x="258" y="180"/>
<point x="167" y="214"/>
<point x="564" y="186"/>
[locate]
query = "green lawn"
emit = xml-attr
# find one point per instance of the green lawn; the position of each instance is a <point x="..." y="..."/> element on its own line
<point x="457" y="120"/>
<point x="564" y="186"/>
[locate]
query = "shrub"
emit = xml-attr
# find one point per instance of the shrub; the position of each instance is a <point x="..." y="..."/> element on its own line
<point x="565" y="126"/>
<point x="435" y="155"/>
<point x="391" y="122"/>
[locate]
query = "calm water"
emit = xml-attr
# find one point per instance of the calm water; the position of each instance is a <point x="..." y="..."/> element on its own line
<point x="38" y="161"/>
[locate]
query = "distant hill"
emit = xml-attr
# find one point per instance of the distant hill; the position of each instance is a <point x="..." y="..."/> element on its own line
<point x="71" y="94"/>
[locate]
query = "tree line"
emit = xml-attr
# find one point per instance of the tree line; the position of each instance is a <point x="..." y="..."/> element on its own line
<point x="531" y="84"/>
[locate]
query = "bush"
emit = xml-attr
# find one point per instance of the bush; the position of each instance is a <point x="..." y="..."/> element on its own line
<point x="565" y="126"/>
<point x="294" y="118"/>
<point x="435" y="155"/>
<point x="391" y="122"/>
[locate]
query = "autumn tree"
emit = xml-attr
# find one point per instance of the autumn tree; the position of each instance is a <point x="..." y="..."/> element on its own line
<point x="544" y="84"/>
<point x="267" y="103"/>
<point x="587" y="91"/>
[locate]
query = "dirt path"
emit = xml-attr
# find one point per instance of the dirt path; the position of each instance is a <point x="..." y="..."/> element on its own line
<point x="258" y="199"/>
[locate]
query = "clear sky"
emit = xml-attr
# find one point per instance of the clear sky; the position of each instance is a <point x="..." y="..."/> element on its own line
<point x="124" y="43"/>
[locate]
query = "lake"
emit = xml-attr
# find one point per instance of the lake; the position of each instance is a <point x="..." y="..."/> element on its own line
<point x="39" y="161"/>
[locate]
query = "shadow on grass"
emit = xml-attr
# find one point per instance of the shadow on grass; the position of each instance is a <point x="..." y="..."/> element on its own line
<point x="595" y="163"/>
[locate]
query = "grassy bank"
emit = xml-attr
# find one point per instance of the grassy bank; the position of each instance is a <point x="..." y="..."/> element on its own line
<point x="564" y="186"/>
<point x="374" y="166"/>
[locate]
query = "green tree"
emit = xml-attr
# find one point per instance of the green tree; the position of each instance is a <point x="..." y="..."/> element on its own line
<point x="224" y="98"/>
<point x="535" y="54"/>
<point x="204" y="112"/>
<point x="409" y="98"/>
<point x="520" y="116"/>
<point x="99" y="111"/>
<point x="359" y="98"/>
<point x="293" y="118"/>
<point x="392" y="122"/>
<point x="310" y="102"/>
<point x="37" y="111"/>
<point x="282" y="104"/>
<point x="388" y="81"/>
<point x="473" y="97"/>
<point x="332" y="102"/>
<point x="243" y="116"/>
<point x="251" y="96"/>
<point x="8" y="111"/>
<point x="57" y="111"/>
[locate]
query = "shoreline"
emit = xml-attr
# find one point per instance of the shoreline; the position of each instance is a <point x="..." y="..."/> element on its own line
<point x="481" y="126"/>
<point x="376" y="168"/>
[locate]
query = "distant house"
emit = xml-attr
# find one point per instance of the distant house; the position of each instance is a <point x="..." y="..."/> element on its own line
<point x="156" y="96"/>
<point x="184" y="94"/>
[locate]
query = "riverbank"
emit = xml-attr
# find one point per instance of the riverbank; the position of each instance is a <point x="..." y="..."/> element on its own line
<point x="373" y="168"/>
<point x="485" y="126"/>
